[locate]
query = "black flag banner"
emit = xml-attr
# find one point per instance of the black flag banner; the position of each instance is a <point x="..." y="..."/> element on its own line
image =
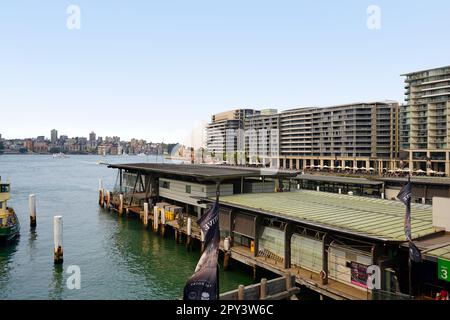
<point x="203" y="285"/>
<point x="405" y="196"/>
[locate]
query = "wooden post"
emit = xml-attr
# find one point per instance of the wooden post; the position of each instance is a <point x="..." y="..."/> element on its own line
<point x="108" y="200"/>
<point x="58" y="239"/>
<point x="263" y="292"/>
<point x="163" y="222"/>
<point x="32" y="205"/>
<point x="241" y="292"/>
<point x="288" y="277"/>
<point x="226" y="254"/>
<point x="120" y="204"/>
<point x="324" y="274"/>
<point x="100" y="192"/>
<point x="145" y="214"/>
<point x="202" y="239"/>
<point x="288" y="233"/>
<point x="155" y="219"/>
<point x="189" y="234"/>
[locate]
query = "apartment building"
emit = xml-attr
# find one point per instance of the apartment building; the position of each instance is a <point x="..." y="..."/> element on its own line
<point x="426" y="120"/>
<point x="262" y="141"/>
<point x="359" y="135"/>
<point x="221" y="123"/>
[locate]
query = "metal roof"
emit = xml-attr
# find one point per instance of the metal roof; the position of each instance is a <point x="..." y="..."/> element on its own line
<point x="338" y="179"/>
<point x="441" y="253"/>
<point x="366" y="217"/>
<point x="420" y="180"/>
<point x="203" y="171"/>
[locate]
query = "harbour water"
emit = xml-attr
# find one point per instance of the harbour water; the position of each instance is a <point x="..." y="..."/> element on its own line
<point x="118" y="259"/>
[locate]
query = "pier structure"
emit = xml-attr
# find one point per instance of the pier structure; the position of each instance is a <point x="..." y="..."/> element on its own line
<point x="328" y="241"/>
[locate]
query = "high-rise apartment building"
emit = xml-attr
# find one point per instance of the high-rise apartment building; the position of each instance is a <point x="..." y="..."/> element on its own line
<point x="54" y="136"/>
<point x="221" y="123"/>
<point x="426" y="119"/>
<point x="359" y="135"/>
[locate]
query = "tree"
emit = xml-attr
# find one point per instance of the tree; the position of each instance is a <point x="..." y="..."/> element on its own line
<point x="2" y="147"/>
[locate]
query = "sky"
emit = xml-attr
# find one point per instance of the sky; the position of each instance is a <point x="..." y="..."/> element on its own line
<point x="156" y="69"/>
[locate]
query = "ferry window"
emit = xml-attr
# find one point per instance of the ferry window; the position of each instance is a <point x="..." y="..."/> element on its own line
<point x="4" y="188"/>
<point x="188" y="189"/>
<point x="166" y="185"/>
<point x="1" y="205"/>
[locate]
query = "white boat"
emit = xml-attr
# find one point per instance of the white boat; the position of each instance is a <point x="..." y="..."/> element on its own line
<point x="141" y="154"/>
<point x="59" y="156"/>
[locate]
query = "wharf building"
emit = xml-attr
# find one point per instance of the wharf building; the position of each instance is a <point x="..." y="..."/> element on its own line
<point x="328" y="241"/>
<point x="425" y="120"/>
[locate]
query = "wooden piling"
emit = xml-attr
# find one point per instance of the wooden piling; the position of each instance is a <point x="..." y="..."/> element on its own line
<point x="226" y="254"/>
<point x="163" y="223"/>
<point x="32" y="206"/>
<point x="120" y="210"/>
<point x="155" y="219"/>
<point x="100" y="192"/>
<point x="145" y="218"/>
<point x="241" y="292"/>
<point x="263" y="289"/>
<point x="288" y="278"/>
<point x="202" y="239"/>
<point x="108" y="200"/>
<point x="189" y="234"/>
<point x="58" y="239"/>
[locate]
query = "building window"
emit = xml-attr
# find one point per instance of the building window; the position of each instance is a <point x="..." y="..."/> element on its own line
<point x="188" y="189"/>
<point x="166" y="184"/>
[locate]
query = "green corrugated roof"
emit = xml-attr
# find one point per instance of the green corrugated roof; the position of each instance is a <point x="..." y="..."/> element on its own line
<point x="374" y="218"/>
<point x="443" y="253"/>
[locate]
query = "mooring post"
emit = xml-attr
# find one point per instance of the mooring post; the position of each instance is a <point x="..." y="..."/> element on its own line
<point x="58" y="239"/>
<point x="145" y="218"/>
<point x="120" y="204"/>
<point x="202" y="239"/>
<point x="226" y="253"/>
<point x="241" y="292"/>
<point x="189" y="234"/>
<point x="163" y="223"/>
<point x="288" y="277"/>
<point x="155" y="219"/>
<point x="32" y="205"/>
<point x="263" y="293"/>
<point x="100" y="190"/>
<point x="108" y="200"/>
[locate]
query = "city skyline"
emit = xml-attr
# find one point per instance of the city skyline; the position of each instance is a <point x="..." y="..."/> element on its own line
<point x="158" y="63"/>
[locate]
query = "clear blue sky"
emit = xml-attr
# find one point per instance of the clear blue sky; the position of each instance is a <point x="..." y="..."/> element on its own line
<point x="151" y="69"/>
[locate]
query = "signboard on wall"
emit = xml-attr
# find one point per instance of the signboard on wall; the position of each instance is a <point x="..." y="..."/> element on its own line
<point x="358" y="274"/>
<point x="443" y="269"/>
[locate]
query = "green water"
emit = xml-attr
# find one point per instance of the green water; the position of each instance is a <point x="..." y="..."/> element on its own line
<point x="118" y="259"/>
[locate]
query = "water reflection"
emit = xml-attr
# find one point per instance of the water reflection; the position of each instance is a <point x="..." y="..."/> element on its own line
<point x="57" y="283"/>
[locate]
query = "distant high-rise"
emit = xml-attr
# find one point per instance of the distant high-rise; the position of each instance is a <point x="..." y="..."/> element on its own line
<point x="54" y="136"/>
<point x="426" y="120"/>
<point x="92" y="137"/>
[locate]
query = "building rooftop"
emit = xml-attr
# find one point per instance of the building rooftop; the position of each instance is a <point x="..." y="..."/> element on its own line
<point x="339" y="179"/>
<point x="203" y="171"/>
<point x="420" y="71"/>
<point x="370" y="218"/>
<point x="420" y="180"/>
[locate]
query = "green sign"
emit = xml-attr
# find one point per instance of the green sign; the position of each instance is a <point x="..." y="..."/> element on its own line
<point x="444" y="270"/>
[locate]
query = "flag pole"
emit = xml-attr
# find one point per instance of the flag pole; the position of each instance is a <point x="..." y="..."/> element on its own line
<point x="409" y="253"/>
<point x="218" y="279"/>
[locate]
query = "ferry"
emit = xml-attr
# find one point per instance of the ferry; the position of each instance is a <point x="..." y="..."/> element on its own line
<point x="9" y="223"/>
<point x="59" y="156"/>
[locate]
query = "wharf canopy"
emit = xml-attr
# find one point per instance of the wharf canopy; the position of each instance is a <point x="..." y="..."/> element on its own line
<point x="184" y="184"/>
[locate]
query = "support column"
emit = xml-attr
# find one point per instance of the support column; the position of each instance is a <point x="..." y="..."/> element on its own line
<point x="258" y="227"/>
<point x="367" y="165"/>
<point x="411" y="164"/>
<point x="325" y="270"/>
<point x="288" y="232"/>
<point x="447" y="164"/>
